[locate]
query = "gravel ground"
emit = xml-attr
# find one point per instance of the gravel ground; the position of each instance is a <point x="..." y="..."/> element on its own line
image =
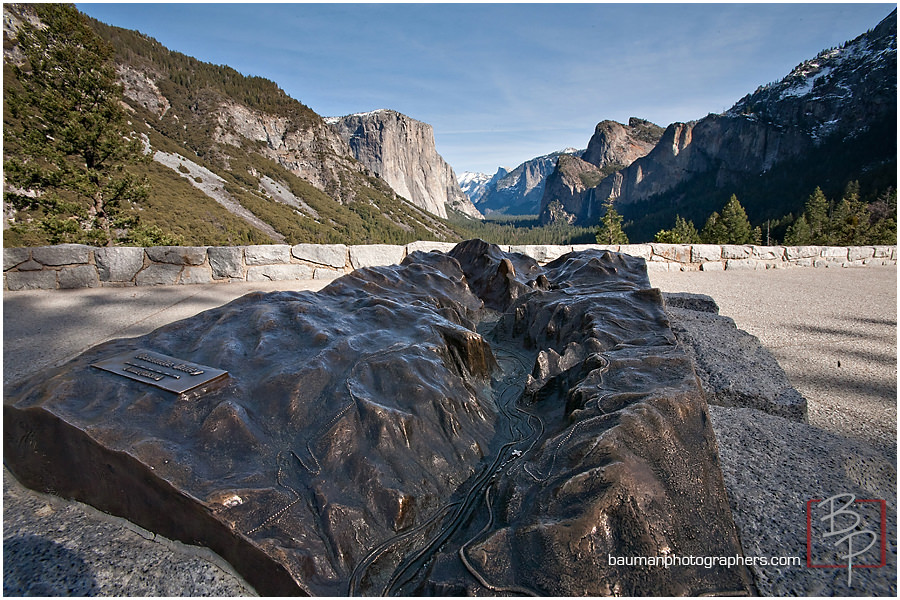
<point x="772" y="467"/>
<point x="833" y="331"/>
<point x="53" y="547"/>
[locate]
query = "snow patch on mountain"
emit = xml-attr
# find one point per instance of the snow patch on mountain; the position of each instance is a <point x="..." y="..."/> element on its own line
<point x="473" y="184"/>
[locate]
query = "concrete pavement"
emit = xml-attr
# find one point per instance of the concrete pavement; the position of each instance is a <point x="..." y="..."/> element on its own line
<point x="833" y="331"/>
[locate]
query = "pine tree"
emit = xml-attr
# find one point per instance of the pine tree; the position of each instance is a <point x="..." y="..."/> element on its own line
<point x="736" y="224"/>
<point x="884" y="218"/>
<point x="816" y="213"/>
<point x="610" y="231"/>
<point x="798" y="233"/>
<point x="72" y="138"/>
<point x="684" y="232"/>
<point x="713" y="231"/>
<point x="850" y="221"/>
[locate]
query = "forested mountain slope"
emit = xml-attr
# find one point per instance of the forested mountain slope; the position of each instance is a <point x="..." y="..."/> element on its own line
<point x="228" y="158"/>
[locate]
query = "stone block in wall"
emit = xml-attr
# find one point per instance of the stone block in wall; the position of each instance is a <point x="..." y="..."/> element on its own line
<point x="13" y="257"/>
<point x="712" y="266"/>
<point x="639" y="250"/>
<point x="178" y="255"/>
<point x="270" y="254"/>
<point x="672" y="252"/>
<point x="701" y="253"/>
<point x="856" y="253"/>
<point x="63" y="254"/>
<point x="330" y="255"/>
<point x="118" y="264"/>
<point x="30" y="265"/>
<point x="195" y="274"/>
<point x="375" y="255"/>
<point x="660" y="265"/>
<point x="799" y="252"/>
<point x="541" y="253"/>
<point x="279" y="272"/>
<point x="226" y="262"/>
<point x="83" y="276"/>
<point x="429" y="247"/>
<point x="738" y="252"/>
<point x="768" y="252"/>
<point x="600" y="247"/>
<point x="326" y="274"/>
<point x="744" y="264"/>
<point x="158" y="274"/>
<point x="834" y="252"/>
<point x="31" y="280"/>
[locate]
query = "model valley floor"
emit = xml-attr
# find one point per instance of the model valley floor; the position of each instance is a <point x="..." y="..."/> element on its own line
<point x="469" y="423"/>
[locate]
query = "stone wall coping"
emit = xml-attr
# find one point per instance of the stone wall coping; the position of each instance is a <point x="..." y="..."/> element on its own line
<point x="71" y="266"/>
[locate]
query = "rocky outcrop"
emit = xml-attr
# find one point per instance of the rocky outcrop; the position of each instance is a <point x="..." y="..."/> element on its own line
<point x="730" y="147"/>
<point x="401" y="151"/>
<point x="613" y="146"/>
<point x="824" y="102"/>
<point x="519" y="192"/>
<point x="313" y="152"/>
<point x="141" y="88"/>
<point x="570" y="185"/>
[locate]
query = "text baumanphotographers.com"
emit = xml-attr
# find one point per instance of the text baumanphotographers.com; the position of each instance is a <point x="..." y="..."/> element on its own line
<point x="707" y="562"/>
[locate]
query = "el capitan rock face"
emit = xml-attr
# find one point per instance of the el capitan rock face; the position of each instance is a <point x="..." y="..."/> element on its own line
<point x="401" y="151"/>
<point x="468" y="423"/>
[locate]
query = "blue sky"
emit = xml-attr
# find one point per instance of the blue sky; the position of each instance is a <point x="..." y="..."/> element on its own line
<point x="502" y="83"/>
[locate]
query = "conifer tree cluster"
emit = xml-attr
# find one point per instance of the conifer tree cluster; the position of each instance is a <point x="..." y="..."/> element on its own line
<point x="684" y="232"/>
<point x="849" y="222"/>
<point x="732" y="226"/>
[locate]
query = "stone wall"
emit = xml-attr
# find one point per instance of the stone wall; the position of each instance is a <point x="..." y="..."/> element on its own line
<point x="70" y="266"/>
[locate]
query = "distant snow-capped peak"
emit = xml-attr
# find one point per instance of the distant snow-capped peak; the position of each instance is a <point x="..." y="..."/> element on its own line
<point x="473" y="184"/>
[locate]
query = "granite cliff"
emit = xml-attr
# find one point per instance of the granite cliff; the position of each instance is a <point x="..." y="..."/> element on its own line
<point x="831" y="120"/>
<point x="235" y="159"/>
<point x="613" y="146"/>
<point x="401" y="151"/>
<point x="519" y="191"/>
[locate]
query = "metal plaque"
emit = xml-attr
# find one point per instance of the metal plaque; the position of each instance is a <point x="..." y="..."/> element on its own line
<point x="166" y="372"/>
